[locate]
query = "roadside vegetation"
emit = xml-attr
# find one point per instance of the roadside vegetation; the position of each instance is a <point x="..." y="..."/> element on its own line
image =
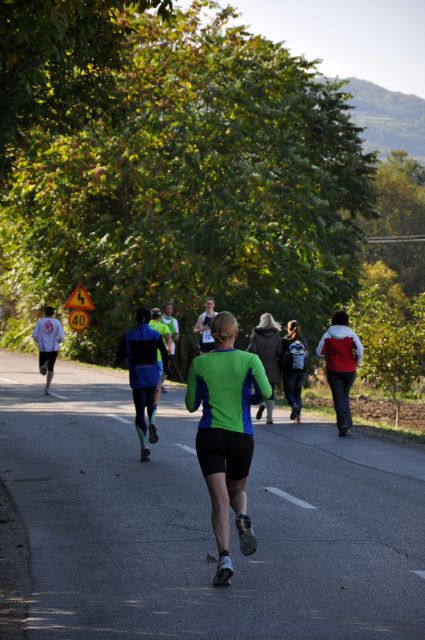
<point x="157" y="160"/>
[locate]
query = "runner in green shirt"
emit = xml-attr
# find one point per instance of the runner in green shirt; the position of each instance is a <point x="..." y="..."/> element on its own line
<point x="223" y="381"/>
<point x="165" y="332"/>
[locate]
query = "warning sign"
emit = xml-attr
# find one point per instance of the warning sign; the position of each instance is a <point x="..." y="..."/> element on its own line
<point x="79" y="299"/>
<point x="79" y="320"/>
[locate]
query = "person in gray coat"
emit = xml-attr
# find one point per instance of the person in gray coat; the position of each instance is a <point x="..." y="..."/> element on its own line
<point x="265" y="341"/>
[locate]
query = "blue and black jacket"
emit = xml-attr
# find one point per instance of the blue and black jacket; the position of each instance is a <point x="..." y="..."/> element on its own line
<point x="140" y="346"/>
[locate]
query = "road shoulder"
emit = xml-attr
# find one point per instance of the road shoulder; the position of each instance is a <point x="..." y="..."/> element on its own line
<point x="15" y="581"/>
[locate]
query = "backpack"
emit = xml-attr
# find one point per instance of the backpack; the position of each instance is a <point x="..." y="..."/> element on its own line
<point x="297" y="354"/>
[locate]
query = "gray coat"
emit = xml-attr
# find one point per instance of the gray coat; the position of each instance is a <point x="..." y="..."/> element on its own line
<point x="267" y="344"/>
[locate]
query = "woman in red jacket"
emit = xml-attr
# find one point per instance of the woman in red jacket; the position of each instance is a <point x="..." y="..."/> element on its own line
<point x="343" y="352"/>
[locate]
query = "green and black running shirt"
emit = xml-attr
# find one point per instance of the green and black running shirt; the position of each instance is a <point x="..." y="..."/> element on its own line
<point x="227" y="383"/>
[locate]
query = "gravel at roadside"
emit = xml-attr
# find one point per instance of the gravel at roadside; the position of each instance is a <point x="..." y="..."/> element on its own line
<point x="15" y="582"/>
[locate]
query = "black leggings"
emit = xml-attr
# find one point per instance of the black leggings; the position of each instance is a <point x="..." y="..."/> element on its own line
<point x="144" y="399"/>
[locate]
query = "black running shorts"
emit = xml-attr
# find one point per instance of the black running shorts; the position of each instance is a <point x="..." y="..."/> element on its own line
<point x="223" y="451"/>
<point x="48" y="358"/>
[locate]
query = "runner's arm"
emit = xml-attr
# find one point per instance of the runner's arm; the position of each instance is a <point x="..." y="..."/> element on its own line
<point x="60" y="334"/>
<point x="193" y="396"/>
<point x="164" y="353"/>
<point x="263" y="389"/>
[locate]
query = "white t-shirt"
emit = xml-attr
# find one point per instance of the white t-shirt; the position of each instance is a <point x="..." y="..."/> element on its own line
<point x="173" y="325"/>
<point x="48" y="334"/>
<point x="206" y="336"/>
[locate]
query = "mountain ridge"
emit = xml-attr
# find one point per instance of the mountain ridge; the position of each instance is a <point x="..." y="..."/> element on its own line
<point x="392" y="119"/>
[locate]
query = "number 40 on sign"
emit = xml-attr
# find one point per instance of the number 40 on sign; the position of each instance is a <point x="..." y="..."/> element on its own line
<point x="80" y="302"/>
<point x="79" y="320"/>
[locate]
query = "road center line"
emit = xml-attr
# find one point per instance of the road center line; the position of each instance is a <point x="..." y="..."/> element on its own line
<point x="9" y="380"/>
<point x="290" y="498"/>
<point x="56" y="395"/>
<point x="113" y="415"/>
<point x="186" y="448"/>
<point x="421" y="574"/>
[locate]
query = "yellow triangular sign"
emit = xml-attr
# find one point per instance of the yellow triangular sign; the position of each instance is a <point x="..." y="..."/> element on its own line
<point x="79" y="299"/>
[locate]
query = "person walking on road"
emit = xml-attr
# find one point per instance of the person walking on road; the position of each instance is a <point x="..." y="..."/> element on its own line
<point x="343" y="352"/>
<point x="294" y="358"/>
<point x="203" y="327"/>
<point x="265" y="341"/>
<point x="222" y="381"/>
<point x="140" y="346"/>
<point x="48" y="334"/>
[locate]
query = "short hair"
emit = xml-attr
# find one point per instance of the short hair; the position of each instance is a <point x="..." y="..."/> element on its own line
<point x="340" y="317"/>
<point x="49" y="311"/>
<point x="167" y="304"/>
<point x="143" y="314"/>
<point x="210" y="299"/>
<point x="224" y="326"/>
<point x="156" y="312"/>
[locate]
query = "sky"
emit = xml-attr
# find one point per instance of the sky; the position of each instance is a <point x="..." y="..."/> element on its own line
<point x="382" y="41"/>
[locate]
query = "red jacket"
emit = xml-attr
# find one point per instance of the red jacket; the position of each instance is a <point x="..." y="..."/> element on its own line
<point x="342" y="349"/>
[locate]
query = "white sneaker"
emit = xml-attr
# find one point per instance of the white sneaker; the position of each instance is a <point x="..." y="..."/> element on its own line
<point x="224" y="572"/>
<point x="247" y="539"/>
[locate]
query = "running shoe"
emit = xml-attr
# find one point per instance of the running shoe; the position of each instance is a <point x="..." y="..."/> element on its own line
<point x="269" y="422"/>
<point x="293" y="412"/>
<point x="43" y="369"/>
<point x="224" y="572"/>
<point x="342" y="431"/>
<point x="46" y="391"/>
<point x="144" y="454"/>
<point x="247" y="539"/>
<point x="153" y="434"/>
<point x="260" y="411"/>
<point x="298" y="419"/>
<point x="163" y="389"/>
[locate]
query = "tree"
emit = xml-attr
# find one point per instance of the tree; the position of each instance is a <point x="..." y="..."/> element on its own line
<point x="394" y="345"/>
<point x="226" y="167"/>
<point x="401" y="211"/>
<point x="55" y="62"/>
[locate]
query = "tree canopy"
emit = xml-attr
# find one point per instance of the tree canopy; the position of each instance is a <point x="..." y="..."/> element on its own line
<point x="55" y="61"/>
<point x="226" y="167"/>
<point x="401" y="211"/>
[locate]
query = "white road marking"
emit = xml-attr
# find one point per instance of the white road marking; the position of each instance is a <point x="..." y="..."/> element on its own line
<point x="186" y="448"/>
<point x="113" y="415"/>
<point x="421" y="574"/>
<point x="290" y="498"/>
<point x="9" y="380"/>
<point x="56" y="395"/>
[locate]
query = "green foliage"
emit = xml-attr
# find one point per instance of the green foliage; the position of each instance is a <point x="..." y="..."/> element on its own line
<point x="226" y="167"/>
<point x="55" y="62"/>
<point x="400" y="206"/>
<point x="394" y="344"/>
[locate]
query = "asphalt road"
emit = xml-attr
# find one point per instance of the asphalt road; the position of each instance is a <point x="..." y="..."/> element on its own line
<point x="118" y="549"/>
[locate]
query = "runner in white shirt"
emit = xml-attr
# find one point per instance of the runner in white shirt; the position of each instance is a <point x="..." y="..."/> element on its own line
<point x="203" y="327"/>
<point x="48" y="334"/>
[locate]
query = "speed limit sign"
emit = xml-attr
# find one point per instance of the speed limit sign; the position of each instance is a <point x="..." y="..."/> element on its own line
<point x="79" y="320"/>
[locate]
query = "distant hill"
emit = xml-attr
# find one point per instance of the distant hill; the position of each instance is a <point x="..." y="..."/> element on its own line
<point x="393" y="120"/>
